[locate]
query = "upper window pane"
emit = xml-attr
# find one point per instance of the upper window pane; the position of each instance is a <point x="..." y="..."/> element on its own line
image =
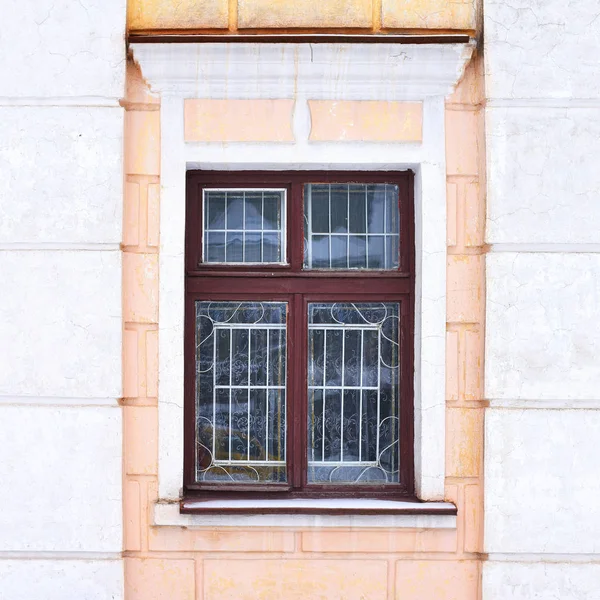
<point x="351" y="226"/>
<point x="244" y="226"/>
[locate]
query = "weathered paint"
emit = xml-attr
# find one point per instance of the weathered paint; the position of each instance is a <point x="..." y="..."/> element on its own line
<point x="365" y="121"/>
<point x="184" y="563"/>
<point x="366" y="16"/>
<point x="238" y="120"/>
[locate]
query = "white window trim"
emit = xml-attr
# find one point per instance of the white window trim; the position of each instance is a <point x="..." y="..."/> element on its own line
<point x="425" y="72"/>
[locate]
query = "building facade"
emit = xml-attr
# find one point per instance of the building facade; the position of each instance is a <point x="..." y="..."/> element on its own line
<point x="124" y="126"/>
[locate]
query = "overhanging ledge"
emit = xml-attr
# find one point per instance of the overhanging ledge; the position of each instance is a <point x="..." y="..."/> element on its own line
<point x="336" y="71"/>
<point x="350" y="513"/>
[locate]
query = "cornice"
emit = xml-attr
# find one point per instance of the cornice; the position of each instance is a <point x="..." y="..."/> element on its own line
<point x="339" y="71"/>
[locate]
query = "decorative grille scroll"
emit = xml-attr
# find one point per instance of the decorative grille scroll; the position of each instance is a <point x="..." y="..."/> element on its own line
<point x="240" y="391"/>
<point x="353" y="393"/>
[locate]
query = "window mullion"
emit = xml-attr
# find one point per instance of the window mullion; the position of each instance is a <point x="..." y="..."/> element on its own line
<point x="296" y="396"/>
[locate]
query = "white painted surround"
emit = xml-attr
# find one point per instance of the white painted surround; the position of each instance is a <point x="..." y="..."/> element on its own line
<point x="542" y="465"/>
<point x="61" y="189"/>
<point x="302" y="72"/>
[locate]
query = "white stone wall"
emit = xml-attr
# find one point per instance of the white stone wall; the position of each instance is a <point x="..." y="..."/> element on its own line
<point x="542" y="465"/>
<point x="61" y="186"/>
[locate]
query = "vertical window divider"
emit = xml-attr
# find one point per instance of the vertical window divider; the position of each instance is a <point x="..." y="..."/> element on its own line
<point x="367" y="225"/>
<point x="249" y="384"/>
<point x="330" y="232"/>
<point x="348" y="229"/>
<point x="230" y="384"/>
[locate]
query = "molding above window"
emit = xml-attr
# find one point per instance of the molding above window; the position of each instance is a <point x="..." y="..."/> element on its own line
<point x="318" y="71"/>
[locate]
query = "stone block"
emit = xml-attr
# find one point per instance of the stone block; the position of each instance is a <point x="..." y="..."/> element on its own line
<point x="63" y="49"/>
<point x="150" y="381"/>
<point x="63" y="320"/>
<point x="542" y="327"/>
<point x="543" y="176"/>
<point x="409" y="540"/>
<point x="160" y="579"/>
<point x="175" y="539"/>
<point x="464" y="442"/>
<point x="130" y="363"/>
<point x="473" y="508"/>
<point x="140" y="430"/>
<point x="453" y="365"/>
<point x="465" y="285"/>
<point x="142" y="142"/>
<point x="439" y="580"/>
<point x="153" y="214"/>
<point x="540" y="581"/>
<point x="61" y="579"/>
<point x="310" y="13"/>
<point x="140" y="287"/>
<point x="532" y="47"/>
<point x="351" y="579"/>
<point x="62" y="174"/>
<point x="132" y="515"/>
<point x="464" y="142"/>
<point x="428" y="14"/>
<point x="473" y="364"/>
<point x="61" y="473"/>
<point x="131" y="214"/>
<point x="541" y="481"/>
<point x="183" y="14"/>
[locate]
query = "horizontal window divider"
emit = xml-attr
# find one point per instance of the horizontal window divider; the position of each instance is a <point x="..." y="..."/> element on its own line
<point x="250" y="288"/>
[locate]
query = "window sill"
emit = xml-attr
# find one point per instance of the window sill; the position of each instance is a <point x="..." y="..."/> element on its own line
<point x="342" y="512"/>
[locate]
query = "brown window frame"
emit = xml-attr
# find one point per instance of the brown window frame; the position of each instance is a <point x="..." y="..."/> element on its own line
<point x="298" y="286"/>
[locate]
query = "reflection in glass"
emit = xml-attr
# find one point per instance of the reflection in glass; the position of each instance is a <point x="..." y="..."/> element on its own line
<point x="351" y="226"/>
<point x="353" y="393"/>
<point x="240" y="392"/>
<point x="244" y="226"/>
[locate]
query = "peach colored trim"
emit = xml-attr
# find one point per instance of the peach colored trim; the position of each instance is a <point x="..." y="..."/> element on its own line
<point x="220" y="16"/>
<point x="365" y="121"/>
<point x="238" y="120"/>
<point x="431" y="14"/>
<point x="159" y="14"/>
<point x="310" y="13"/>
<point x="190" y="564"/>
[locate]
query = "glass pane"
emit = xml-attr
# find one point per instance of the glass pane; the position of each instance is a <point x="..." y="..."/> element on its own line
<point x="240" y="392"/>
<point x="244" y="226"/>
<point x="351" y="226"/>
<point x="353" y="393"/>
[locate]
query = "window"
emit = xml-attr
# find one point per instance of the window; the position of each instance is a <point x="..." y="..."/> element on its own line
<point x="299" y="334"/>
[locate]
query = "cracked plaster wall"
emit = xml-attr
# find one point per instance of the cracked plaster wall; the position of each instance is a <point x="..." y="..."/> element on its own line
<point x="542" y="334"/>
<point x="61" y="153"/>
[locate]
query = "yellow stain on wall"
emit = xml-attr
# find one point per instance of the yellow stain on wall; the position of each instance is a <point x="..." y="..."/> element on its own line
<point x="308" y="14"/>
<point x="182" y="14"/>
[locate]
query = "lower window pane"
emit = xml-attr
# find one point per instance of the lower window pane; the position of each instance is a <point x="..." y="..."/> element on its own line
<point x="240" y="392"/>
<point x="353" y="393"/>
